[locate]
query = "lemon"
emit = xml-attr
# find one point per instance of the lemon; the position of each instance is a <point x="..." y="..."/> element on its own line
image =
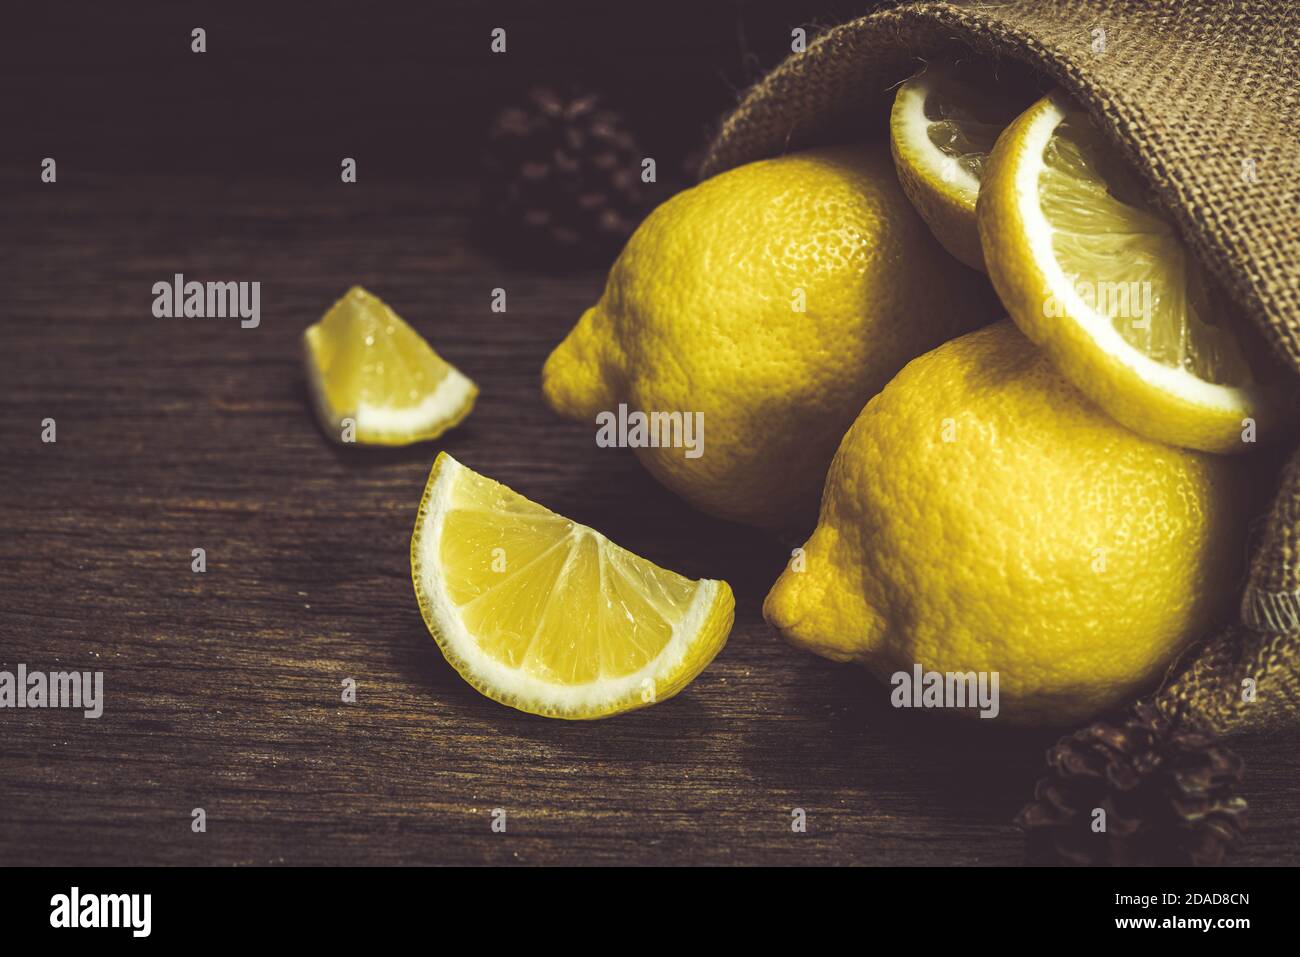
<point x="1094" y="274"/>
<point x="365" y="364"/>
<point x="941" y="130"/>
<point x="982" y="516"/>
<point x="549" y="616"/>
<point x="771" y="302"/>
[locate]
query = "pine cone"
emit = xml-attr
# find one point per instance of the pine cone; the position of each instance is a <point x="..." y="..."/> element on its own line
<point x="563" y="177"/>
<point x="1169" y="793"/>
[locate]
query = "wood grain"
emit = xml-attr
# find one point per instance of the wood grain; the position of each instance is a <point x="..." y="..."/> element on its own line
<point x="223" y="689"/>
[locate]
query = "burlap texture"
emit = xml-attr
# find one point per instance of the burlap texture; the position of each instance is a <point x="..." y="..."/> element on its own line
<point x="1247" y="678"/>
<point x="1202" y="98"/>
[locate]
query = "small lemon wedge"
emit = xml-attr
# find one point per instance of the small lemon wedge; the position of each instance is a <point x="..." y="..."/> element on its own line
<point x="1093" y="273"/>
<point x="366" y="364"/>
<point x="941" y="130"/>
<point x="549" y="616"/>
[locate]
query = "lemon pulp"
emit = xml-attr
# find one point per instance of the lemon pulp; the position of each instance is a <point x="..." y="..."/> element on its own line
<point x="1092" y="272"/>
<point x="365" y="363"/>
<point x="963" y="122"/>
<point x="549" y="616"/>
<point x="1156" y="297"/>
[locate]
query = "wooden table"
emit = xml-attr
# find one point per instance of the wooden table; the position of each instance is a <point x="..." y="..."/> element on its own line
<point x="223" y="689"/>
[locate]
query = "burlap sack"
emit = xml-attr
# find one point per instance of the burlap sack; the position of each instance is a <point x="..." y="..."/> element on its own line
<point x="1203" y="99"/>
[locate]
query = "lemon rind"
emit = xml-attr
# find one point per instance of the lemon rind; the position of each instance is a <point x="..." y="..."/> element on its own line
<point x="696" y="639"/>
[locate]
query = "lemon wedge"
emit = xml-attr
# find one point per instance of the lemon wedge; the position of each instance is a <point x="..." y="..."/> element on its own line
<point x="1093" y="273"/>
<point x="367" y="365"/>
<point x="941" y="130"/>
<point x="549" y="616"/>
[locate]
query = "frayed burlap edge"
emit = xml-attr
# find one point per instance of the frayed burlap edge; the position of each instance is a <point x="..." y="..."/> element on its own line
<point x="1247" y="678"/>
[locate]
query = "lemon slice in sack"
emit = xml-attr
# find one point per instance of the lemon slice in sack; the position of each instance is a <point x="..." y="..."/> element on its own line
<point x="941" y="131"/>
<point x="1093" y="273"/>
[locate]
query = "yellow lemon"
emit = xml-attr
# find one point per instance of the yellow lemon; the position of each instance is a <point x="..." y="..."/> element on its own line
<point x="982" y="516"/>
<point x="365" y="365"/>
<point x="1090" y="270"/>
<point x="770" y="302"/>
<point x="941" y="130"/>
<point x="549" y="616"/>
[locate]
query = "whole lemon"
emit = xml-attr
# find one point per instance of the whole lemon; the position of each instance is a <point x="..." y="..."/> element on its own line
<point x="982" y="515"/>
<point x="769" y="302"/>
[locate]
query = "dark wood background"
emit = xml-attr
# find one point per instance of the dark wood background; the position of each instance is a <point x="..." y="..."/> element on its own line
<point x="223" y="689"/>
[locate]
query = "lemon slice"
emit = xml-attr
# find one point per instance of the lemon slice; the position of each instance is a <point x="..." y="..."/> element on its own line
<point x="365" y="364"/>
<point x="941" y="131"/>
<point x="549" y="616"/>
<point x="1094" y="274"/>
